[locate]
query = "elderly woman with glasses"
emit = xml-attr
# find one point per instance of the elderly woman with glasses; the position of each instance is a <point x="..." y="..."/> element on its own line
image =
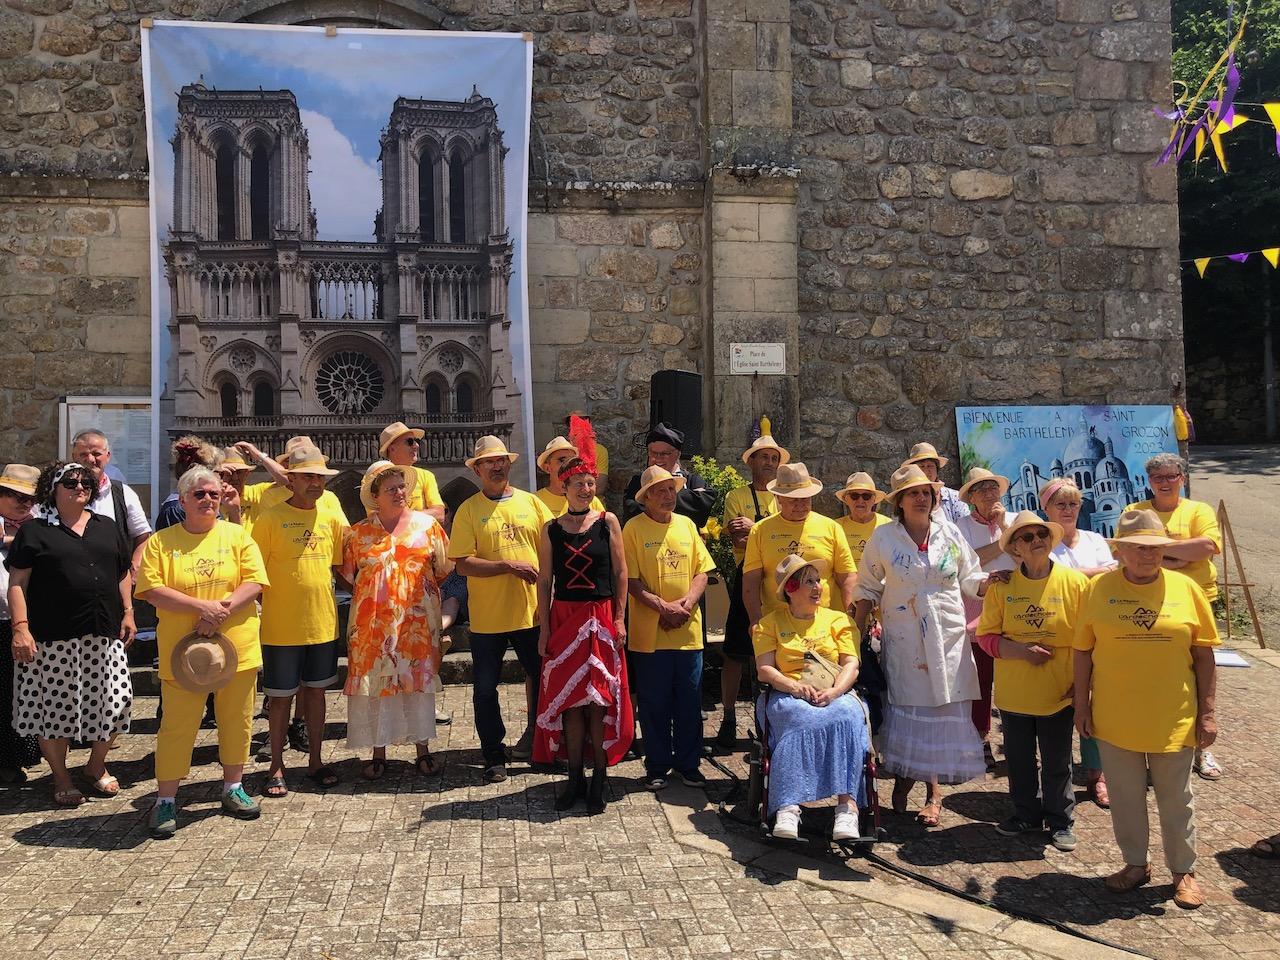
<point x="1144" y="687"/>
<point x="69" y="589"/>
<point x="1027" y="625"/>
<point x="1086" y="551"/>
<point x="917" y="571"/>
<point x="1193" y="527"/>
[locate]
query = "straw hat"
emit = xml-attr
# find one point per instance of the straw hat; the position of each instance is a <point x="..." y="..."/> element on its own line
<point x="925" y="451"/>
<point x="391" y="434"/>
<point x="19" y="478"/>
<point x="793" y="480"/>
<point x="765" y="442"/>
<point x="307" y="458"/>
<point x="203" y="664"/>
<point x="907" y="477"/>
<point x="233" y="460"/>
<point x="377" y="469"/>
<point x="290" y="444"/>
<point x="1141" y="528"/>
<point x="859" y="481"/>
<point x="553" y="445"/>
<point x="976" y="475"/>
<point x="490" y="446"/>
<point x="793" y="562"/>
<point x="1028" y="518"/>
<point x="655" y="475"/>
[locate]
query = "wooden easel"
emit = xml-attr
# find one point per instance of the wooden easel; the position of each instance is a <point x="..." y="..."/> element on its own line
<point x="1229" y="539"/>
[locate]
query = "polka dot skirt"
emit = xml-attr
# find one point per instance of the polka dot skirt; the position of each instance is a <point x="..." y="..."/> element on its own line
<point x="77" y="689"/>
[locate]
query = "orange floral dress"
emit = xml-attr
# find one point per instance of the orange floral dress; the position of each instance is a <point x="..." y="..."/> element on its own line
<point x="393" y="634"/>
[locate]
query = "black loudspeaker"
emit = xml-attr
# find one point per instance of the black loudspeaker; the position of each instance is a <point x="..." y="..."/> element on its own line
<point x="675" y="398"/>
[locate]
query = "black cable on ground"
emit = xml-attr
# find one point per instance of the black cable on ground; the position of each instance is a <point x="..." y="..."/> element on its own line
<point x="868" y="854"/>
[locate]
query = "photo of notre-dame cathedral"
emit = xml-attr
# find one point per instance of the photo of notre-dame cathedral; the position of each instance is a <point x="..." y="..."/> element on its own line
<point x="275" y="333"/>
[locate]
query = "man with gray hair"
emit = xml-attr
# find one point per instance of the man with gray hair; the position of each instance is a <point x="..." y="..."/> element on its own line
<point x="114" y="499"/>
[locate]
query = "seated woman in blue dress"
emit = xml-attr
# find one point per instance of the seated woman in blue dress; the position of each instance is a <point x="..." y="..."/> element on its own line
<point x="818" y="738"/>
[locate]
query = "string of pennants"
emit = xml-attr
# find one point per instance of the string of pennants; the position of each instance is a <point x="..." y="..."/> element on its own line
<point x="1270" y="254"/>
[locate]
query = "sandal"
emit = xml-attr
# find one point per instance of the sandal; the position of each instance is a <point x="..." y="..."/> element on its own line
<point x="1268" y="849"/>
<point x="374" y="769"/>
<point x="1098" y="793"/>
<point x="1207" y="766"/>
<point x="927" y="819"/>
<point x="105" y="786"/>
<point x="325" y="777"/>
<point x="432" y="767"/>
<point x="68" y="798"/>
<point x="275" y="788"/>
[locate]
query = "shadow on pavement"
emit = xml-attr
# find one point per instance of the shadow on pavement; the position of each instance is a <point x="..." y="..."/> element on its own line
<point x="1079" y="901"/>
<point x="1261" y="878"/>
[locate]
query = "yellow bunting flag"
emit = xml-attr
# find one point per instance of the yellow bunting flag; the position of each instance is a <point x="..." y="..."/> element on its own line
<point x="1273" y="113"/>
<point x="1272" y="254"/>
<point x="1216" y="133"/>
<point x="1202" y="264"/>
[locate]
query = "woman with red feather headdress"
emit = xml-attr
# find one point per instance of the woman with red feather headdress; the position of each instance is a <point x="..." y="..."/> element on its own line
<point x="582" y="590"/>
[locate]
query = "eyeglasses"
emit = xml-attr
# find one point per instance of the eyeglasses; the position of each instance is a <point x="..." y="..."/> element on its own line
<point x="71" y="483"/>
<point x="412" y="441"/>
<point x="1166" y="478"/>
<point x="206" y="494"/>
<point x="1031" y="536"/>
<point x="861" y="495"/>
<point x="986" y="486"/>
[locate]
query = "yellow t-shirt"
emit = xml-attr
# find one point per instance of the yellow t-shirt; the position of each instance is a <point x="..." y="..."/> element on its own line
<point x="738" y="503"/>
<point x="817" y="538"/>
<point x="208" y="566"/>
<point x="427" y="492"/>
<point x="665" y="557"/>
<point x="829" y="634"/>
<point x="558" y="504"/>
<point x="1188" y="520"/>
<point x="602" y="460"/>
<point x="859" y="533"/>
<point x="275" y="494"/>
<point x="500" y="530"/>
<point x="299" y="548"/>
<point x="1141" y="635"/>
<point x="1043" y="612"/>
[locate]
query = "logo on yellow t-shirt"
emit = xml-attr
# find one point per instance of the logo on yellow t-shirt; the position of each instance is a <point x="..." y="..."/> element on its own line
<point x="1142" y="617"/>
<point x="795" y="547"/>
<point x="509" y="533"/>
<point x="1034" y="615"/>
<point x="669" y="559"/>
<point x="206" y="567"/>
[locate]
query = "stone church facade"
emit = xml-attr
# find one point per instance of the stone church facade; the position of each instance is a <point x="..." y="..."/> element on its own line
<point x="274" y="333"/>
<point x="928" y="202"/>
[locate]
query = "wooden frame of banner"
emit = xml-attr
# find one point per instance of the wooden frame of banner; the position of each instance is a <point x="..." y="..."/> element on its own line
<point x="1229" y="540"/>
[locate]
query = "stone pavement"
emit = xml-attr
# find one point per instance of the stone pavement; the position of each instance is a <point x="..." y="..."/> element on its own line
<point x="417" y="868"/>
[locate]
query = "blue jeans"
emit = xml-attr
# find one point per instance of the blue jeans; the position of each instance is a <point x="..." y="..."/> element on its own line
<point x="669" y="692"/>
<point x="487" y="650"/>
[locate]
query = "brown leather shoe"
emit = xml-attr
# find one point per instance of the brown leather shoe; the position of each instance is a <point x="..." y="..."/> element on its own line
<point x="1128" y="879"/>
<point x="1186" y="891"/>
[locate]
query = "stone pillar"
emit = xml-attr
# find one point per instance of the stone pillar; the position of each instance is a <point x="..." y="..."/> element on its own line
<point x="751" y="214"/>
<point x="244" y="228"/>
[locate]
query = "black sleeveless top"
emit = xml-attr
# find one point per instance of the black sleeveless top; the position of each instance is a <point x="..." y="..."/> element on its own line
<point x="581" y="564"/>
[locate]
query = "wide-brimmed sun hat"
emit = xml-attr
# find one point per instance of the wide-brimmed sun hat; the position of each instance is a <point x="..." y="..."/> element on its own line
<point x="234" y="461"/>
<point x="554" y="445"/>
<point x="793" y="480"/>
<point x="653" y="476"/>
<point x="377" y="469"/>
<point x="20" y="478"/>
<point x="907" y="477"/>
<point x="765" y="442"/>
<point x="792" y="563"/>
<point x="1028" y="518"/>
<point x="925" y="451"/>
<point x="307" y="458"/>
<point x="490" y="446"/>
<point x="290" y="444"/>
<point x="390" y="434"/>
<point x="860" y="481"/>
<point x="203" y="664"/>
<point x="977" y="475"/>
<point x="1140" y="528"/>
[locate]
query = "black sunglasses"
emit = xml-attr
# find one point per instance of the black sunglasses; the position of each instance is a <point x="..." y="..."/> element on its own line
<point x="861" y="495"/>
<point x="70" y="483"/>
<point x="206" y="494"/>
<point x="1032" y="535"/>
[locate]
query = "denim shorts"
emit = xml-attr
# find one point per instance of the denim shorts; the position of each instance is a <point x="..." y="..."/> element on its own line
<point x="286" y="669"/>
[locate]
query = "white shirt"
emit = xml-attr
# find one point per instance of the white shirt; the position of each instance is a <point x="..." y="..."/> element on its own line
<point x="979" y="534"/>
<point x="950" y="506"/>
<point x="1090" y="551"/>
<point x="135" y="517"/>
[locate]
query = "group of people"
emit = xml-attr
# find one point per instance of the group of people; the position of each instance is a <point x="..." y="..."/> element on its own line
<point x="962" y="606"/>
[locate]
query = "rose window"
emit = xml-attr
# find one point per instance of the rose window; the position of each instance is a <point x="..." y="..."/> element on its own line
<point x="349" y="383"/>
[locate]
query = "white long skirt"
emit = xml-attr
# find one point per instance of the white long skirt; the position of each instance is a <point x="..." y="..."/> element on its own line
<point x="386" y="721"/>
<point x="933" y="743"/>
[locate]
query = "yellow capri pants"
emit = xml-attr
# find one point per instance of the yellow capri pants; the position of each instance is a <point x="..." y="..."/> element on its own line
<point x="183" y="710"/>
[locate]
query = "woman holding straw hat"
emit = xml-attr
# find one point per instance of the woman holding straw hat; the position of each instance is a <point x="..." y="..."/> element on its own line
<point x="1086" y="551"/>
<point x="1027" y="625"/>
<point x="395" y="561"/>
<point x="917" y="570"/>
<point x="1144" y="687"/>
<point x="818" y="737"/>
<point x="553" y="457"/>
<point x="203" y="576"/>
<point x="982" y="527"/>
<point x="17" y="497"/>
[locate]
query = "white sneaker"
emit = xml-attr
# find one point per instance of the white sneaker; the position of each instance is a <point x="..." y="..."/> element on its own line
<point x="786" y="824"/>
<point x="846" y="824"/>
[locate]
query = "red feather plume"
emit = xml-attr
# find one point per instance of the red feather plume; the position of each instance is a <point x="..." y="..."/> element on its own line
<point x="582" y="436"/>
